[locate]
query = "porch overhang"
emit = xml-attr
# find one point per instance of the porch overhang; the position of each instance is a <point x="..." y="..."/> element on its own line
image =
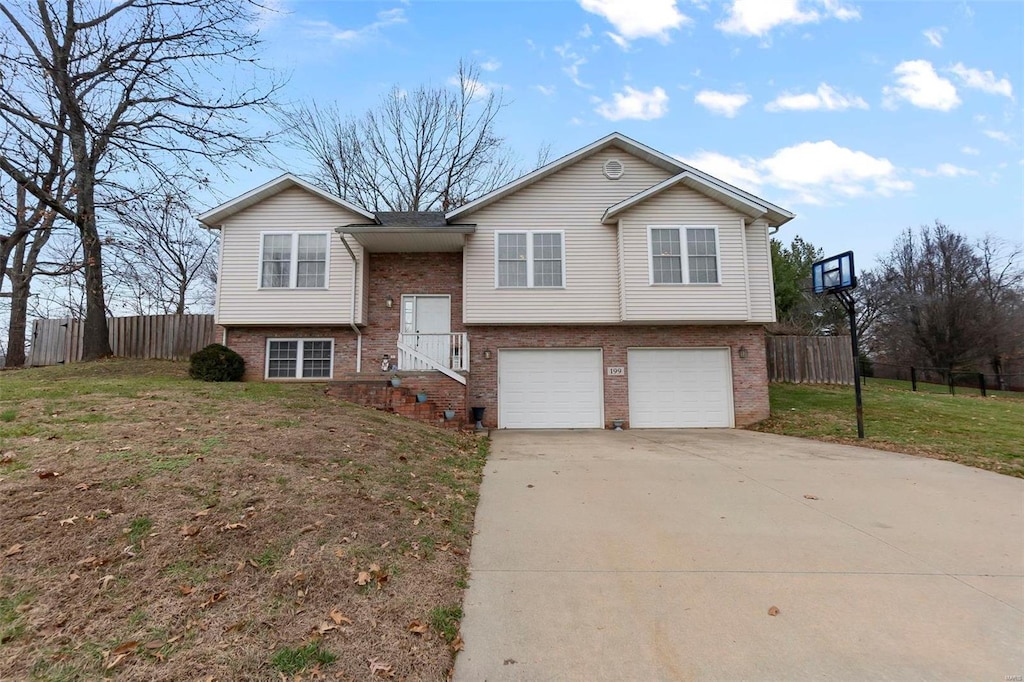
<point x="397" y="239"/>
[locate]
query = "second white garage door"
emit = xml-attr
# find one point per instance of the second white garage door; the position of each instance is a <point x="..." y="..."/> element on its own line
<point x="550" y="389"/>
<point x="679" y="387"/>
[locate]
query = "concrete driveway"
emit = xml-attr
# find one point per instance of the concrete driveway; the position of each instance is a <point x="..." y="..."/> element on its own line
<point x="656" y="555"/>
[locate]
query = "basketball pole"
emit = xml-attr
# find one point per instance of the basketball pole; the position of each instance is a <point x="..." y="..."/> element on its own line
<point x="848" y="303"/>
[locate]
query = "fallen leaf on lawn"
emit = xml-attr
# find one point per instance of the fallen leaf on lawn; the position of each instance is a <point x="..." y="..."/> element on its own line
<point x="773" y="611"/>
<point x="339" y="619"/>
<point x="70" y="521"/>
<point x="189" y="531"/>
<point x="810" y="497"/>
<point x="382" y="669"/>
<point x="364" y="578"/>
<point x="457" y="644"/>
<point x="73" y="577"/>
<point x="82" y="486"/>
<point x="299" y="577"/>
<point x="126" y="448"/>
<point x="92" y="562"/>
<point x="418" y="627"/>
<point x="416" y="522"/>
<point x="7" y="457"/>
<point x="186" y="589"/>
<point x="154" y="644"/>
<point x="233" y="526"/>
<point x="374" y="568"/>
<point x="201" y="512"/>
<point x="14" y="549"/>
<point x="124" y="648"/>
<point x="340" y="553"/>
<point x="105" y="581"/>
<point x="325" y="628"/>
<point x="214" y="598"/>
<point x="116" y="660"/>
<point x="47" y="474"/>
<point x="235" y="626"/>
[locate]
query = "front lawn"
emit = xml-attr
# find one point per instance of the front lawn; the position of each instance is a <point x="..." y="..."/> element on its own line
<point x="157" y="528"/>
<point x="981" y="432"/>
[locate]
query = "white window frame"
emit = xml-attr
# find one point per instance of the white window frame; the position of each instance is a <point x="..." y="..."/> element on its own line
<point x="684" y="256"/>
<point x="298" y="359"/>
<point x="529" y="258"/>
<point x="293" y="270"/>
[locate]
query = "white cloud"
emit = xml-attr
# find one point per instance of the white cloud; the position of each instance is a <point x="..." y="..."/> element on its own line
<point x="546" y="90"/>
<point x="934" y="35"/>
<point x="945" y="170"/>
<point x="812" y="172"/>
<point x="632" y="19"/>
<point x="474" y="88"/>
<point x="571" y="63"/>
<point x="759" y="17"/>
<point x="983" y="80"/>
<point x="917" y="83"/>
<point x="998" y="136"/>
<point x="824" y="98"/>
<point x="490" y="65"/>
<point x="585" y="32"/>
<point x="618" y="40"/>
<point x="970" y="151"/>
<point x="350" y="36"/>
<point x="723" y="103"/>
<point x="635" y="104"/>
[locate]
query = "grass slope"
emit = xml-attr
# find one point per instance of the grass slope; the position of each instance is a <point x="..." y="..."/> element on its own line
<point x="982" y="432"/>
<point x="225" y="531"/>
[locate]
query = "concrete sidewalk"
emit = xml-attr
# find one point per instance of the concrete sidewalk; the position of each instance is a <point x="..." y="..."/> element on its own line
<point x="656" y="555"/>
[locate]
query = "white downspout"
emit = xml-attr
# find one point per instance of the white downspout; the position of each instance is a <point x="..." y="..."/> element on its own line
<point x="352" y="323"/>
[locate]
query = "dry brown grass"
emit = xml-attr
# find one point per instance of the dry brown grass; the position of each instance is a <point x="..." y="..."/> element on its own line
<point x="215" y="525"/>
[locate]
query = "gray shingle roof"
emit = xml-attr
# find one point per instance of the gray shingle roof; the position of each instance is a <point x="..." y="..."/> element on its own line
<point x="411" y="218"/>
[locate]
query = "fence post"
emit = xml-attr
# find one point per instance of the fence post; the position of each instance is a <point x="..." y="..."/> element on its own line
<point x="913" y="378"/>
<point x="952" y="390"/>
<point x="981" y="383"/>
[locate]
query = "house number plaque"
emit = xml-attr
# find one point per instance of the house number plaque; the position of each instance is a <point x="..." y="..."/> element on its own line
<point x="616" y="371"/>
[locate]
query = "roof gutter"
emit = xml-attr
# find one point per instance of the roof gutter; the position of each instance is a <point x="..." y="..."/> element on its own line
<point x="352" y="322"/>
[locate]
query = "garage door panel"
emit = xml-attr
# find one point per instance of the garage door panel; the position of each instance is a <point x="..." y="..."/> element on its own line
<point x="550" y="388"/>
<point x="679" y="388"/>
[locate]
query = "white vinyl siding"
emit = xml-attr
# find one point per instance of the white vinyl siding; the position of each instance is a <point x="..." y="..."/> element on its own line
<point x="571" y="201"/>
<point x="681" y="207"/>
<point x="294" y="260"/>
<point x="242" y="301"/>
<point x="529" y="259"/>
<point x="759" y="273"/>
<point x="683" y="255"/>
<point x="299" y="358"/>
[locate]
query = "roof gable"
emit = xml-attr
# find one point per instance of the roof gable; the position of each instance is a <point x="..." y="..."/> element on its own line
<point x="216" y="216"/>
<point x="682" y="172"/>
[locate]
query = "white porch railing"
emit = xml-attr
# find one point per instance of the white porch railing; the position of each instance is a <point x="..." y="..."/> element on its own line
<point x="433" y="351"/>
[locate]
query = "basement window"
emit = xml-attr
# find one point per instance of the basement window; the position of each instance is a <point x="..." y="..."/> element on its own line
<point x="300" y="358"/>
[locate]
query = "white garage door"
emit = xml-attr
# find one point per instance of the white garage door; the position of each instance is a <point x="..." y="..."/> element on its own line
<point x="679" y="387"/>
<point x="550" y="389"/>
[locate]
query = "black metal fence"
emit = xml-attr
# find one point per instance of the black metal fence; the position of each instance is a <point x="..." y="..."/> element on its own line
<point x="943" y="380"/>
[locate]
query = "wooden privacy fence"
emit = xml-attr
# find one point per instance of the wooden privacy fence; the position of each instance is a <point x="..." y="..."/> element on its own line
<point x="157" y="337"/>
<point x="810" y="359"/>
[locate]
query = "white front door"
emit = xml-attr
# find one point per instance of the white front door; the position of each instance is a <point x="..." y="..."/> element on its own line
<point x="427" y="324"/>
<point x="550" y="388"/>
<point x="679" y="387"/>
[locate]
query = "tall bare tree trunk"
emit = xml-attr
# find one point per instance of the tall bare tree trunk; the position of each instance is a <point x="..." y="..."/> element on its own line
<point x="95" y="335"/>
<point x="16" y="330"/>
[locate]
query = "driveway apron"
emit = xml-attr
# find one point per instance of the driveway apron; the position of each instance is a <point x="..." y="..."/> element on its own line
<point x="726" y="554"/>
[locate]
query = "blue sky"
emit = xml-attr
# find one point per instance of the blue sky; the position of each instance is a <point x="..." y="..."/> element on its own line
<point x="861" y="117"/>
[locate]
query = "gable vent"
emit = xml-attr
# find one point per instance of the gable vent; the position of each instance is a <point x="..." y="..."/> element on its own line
<point x="613" y="169"/>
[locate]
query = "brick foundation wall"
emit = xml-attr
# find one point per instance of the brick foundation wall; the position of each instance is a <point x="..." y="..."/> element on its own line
<point x="749" y="375"/>
<point x="443" y="393"/>
<point x="251" y="344"/>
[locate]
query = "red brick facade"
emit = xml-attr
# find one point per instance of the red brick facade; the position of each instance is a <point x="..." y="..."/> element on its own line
<point x="392" y="275"/>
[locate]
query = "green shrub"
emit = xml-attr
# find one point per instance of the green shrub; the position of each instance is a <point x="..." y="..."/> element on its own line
<point x="216" y="363"/>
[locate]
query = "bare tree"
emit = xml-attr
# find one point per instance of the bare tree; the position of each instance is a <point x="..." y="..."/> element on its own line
<point x="165" y="255"/>
<point x="430" y="149"/>
<point x="1001" y="282"/>
<point x="141" y="87"/>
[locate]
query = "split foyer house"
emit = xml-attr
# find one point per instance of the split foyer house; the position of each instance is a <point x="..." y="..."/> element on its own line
<point x="616" y="283"/>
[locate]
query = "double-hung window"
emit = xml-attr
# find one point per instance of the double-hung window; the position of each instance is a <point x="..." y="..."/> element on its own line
<point x="683" y="255"/>
<point x="530" y="259"/>
<point x="294" y="260"/>
<point x="299" y="358"/>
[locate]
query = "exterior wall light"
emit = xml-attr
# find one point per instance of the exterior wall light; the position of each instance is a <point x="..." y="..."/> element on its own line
<point x="487" y="355"/>
<point x="742" y="352"/>
<point x="389" y="302"/>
